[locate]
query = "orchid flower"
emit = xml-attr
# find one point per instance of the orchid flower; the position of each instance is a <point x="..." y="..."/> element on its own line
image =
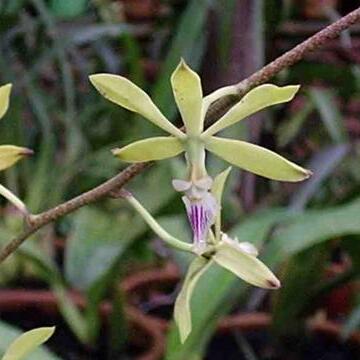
<point x="186" y="84"/>
<point x="238" y="258"/>
<point x="193" y="106"/>
<point x="10" y="154"/>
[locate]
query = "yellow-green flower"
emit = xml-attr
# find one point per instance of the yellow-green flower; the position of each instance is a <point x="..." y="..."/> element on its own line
<point x="200" y="204"/>
<point x="193" y="106"/>
<point x="10" y="154"/>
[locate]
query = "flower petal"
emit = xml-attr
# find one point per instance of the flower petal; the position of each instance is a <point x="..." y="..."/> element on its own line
<point x="27" y="343"/>
<point x="256" y="159"/>
<point x="181" y="185"/>
<point x="217" y="190"/>
<point x="245" y="266"/>
<point x="249" y="248"/>
<point x="125" y="93"/>
<point x="156" y="148"/>
<point x="182" y="311"/>
<point x="10" y="154"/>
<point x="254" y="101"/>
<point x="4" y="98"/>
<point x="186" y="85"/>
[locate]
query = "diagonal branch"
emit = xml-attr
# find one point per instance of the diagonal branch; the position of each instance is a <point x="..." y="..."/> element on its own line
<point x="286" y="60"/>
<point x="289" y="58"/>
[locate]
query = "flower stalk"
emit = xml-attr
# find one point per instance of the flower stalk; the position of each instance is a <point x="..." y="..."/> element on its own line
<point x="154" y="225"/>
<point x="14" y="200"/>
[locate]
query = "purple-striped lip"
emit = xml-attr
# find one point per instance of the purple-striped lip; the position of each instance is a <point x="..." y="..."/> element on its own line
<point x="201" y="214"/>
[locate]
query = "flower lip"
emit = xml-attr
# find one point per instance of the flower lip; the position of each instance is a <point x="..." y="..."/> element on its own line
<point x="201" y="214"/>
<point x="194" y="190"/>
<point x="201" y="207"/>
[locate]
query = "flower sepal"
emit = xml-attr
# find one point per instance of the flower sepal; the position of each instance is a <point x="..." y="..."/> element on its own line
<point x="5" y="91"/>
<point x="241" y="259"/>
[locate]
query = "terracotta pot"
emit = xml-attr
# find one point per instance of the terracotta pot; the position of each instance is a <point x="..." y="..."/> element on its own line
<point x="145" y="331"/>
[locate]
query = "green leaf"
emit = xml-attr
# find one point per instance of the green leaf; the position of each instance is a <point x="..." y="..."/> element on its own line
<point x="325" y="102"/>
<point x="217" y="190"/>
<point x="10" y="154"/>
<point x="326" y="162"/>
<point x="125" y="93"/>
<point x="256" y="159"/>
<point x="186" y="85"/>
<point x="301" y="277"/>
<point x="27" y="343"/>
<point x="5" y="91"/>
<point x="96" y="239"/>
<point x="254" y="101"/>
<point x="70" y="312"/>
<point x="245" y="266"/>
<point x="291" y="127"/>
<point x="68" y="9"/>
<point x="321" y="225"/>
<point x="156" y="148"/>
<point x="182" y="311"/>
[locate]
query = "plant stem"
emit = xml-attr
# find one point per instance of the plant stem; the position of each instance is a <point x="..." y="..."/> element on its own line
<point x="286" y="60"/>
<point x="154" y="225"/>
<point x="195" y="151"/>
<point x="13" y="199"/>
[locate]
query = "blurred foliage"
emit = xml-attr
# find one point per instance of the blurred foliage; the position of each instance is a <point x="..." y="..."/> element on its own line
<point x="48" y="49"/>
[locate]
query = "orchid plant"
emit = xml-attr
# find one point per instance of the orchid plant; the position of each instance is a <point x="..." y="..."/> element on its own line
<point x="10" y="154"/>
<point x="202" y="193"/>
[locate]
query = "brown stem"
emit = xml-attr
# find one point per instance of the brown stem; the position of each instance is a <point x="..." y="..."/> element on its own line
<point x="290" y="58"/>
<point x="103" y="190"/>
<point x="264" y="74"/>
